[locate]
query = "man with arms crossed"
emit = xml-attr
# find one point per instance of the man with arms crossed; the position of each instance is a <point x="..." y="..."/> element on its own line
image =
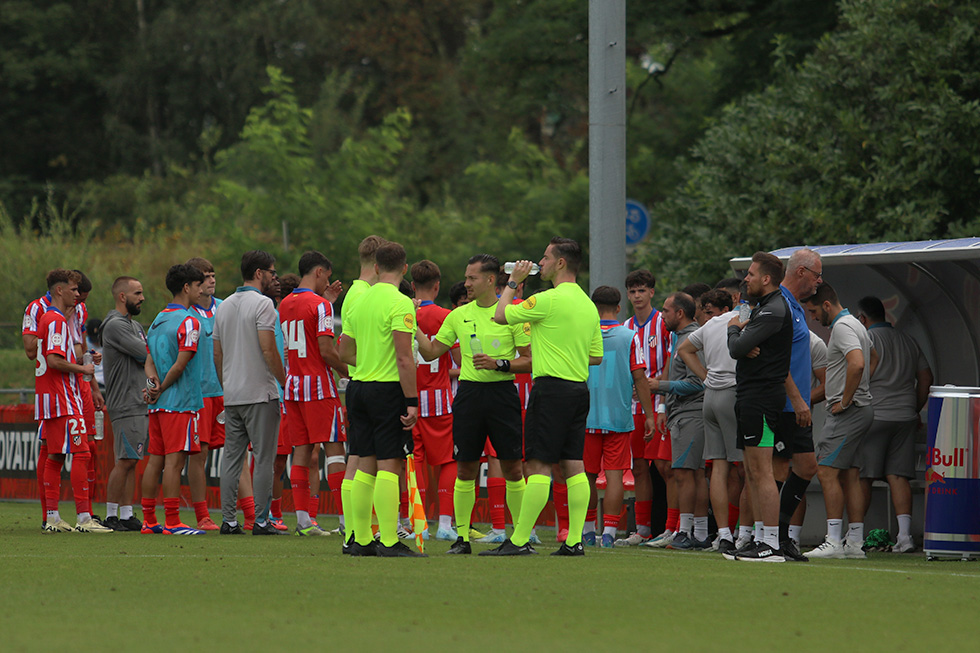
<point x="850" y="357"/>
<point x="124" y="352"/>
<point x="565" y="340"/>
<point x="761" y="395"/>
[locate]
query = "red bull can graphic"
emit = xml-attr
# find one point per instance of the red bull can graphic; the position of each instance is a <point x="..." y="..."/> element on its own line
<point x="952" y="524"/>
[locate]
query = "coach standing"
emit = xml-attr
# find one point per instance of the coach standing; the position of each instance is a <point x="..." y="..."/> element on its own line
<point x="244" y="327"/>
<point x="565" y="340"/>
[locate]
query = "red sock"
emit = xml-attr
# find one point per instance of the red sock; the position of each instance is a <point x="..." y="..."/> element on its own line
<point x="277" y="508"/>
<point x="52" y="482"/>
<point x="560" y="491"/>
<point x="497" y="495"/>
<point x="91" y="473"/>
<point x="248" y="507"/>
<point x="673" y="519"/>
<point x="447" y="484"/>
<point x="201" y="510"/>
<point x="644" y="513"/>
<point x="149" y="511"/>
<point x="314" y="506"/>
<point x="732" y="516"/>
<point x="299" y="479"/>
<point x="403" y="505"/>
<point x="79" y="481"/>
<point x="590" y="515"/>
<point x="42" y="460"/>
<point x="171" y="510"/>
<point x="335" y="480"/>
<point x="610" y="521"/>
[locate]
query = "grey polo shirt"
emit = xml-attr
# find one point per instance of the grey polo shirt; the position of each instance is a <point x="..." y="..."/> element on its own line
<point x="245" y="375"/>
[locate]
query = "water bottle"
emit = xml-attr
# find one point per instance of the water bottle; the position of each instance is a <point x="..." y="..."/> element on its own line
<point x="744" y="311"/>
<point x="476" y="347"/>
<point x="99" y="425"/>
<point x="510" y="265"/>
<point x="220" y="419"/>
<point x="87" y="359"/>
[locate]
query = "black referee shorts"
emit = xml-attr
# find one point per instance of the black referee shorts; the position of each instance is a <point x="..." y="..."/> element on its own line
<point x="482" y="410"/>
<point x="554" y="428"/>
<point x="374" y="411"/>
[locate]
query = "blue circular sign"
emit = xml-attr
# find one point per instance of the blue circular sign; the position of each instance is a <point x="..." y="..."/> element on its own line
<point x="637" y="222"/>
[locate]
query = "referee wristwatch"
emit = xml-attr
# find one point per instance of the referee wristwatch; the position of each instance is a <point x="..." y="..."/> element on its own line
<point x="503" y="365"/>
<point x="512" y="285"/>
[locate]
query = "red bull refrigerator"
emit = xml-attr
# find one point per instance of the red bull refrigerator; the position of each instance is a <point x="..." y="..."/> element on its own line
<point x="952" y="525"/>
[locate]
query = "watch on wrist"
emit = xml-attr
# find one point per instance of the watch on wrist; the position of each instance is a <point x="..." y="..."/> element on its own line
<point x="503" y="365"/>
<point x="512" y="284"/>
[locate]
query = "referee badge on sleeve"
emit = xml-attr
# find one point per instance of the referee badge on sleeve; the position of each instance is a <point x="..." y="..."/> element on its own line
<point x="409" y="320"/>
<point x="530" y="302"/>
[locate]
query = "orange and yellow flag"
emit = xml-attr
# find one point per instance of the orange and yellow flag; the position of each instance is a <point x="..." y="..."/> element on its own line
<point x="419" y="524"/>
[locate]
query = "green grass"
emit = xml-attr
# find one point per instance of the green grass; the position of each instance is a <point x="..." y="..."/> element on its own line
<point x="15" y="372"/>
<point x="241" y="593"/>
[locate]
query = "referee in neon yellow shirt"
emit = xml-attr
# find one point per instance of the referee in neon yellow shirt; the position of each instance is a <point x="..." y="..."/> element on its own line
<point x="565" y="340"/>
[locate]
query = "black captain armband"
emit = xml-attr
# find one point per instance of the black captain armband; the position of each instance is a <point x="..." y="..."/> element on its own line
<point x="412" y="402"/>
<point x="503" y="366"/>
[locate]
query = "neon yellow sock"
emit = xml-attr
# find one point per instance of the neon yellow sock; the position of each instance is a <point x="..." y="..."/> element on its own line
<point x="464" y="498"/>
<point x="386" y="498"/>
<point x="578" y="505"/>
<point x="345" y="503"/>
<point x="361" y="498"/>
<point x="515" y="496"/>
<point x="535" y="499"/>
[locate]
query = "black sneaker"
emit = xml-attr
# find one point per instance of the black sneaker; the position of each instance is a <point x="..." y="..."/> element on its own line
<point x="345" y="548"/>
<point x="397" y="550"/>
<point x="267" y="529"/>
<point x="363" y="550"/>
<point x="682" y="542"/>
<point x="792" y="552"/>
<point x="726" y="546"/>
<point x="114" y="524"/>
<point x="761" y="553"/>
<point x="460" y="548"/>
<point x="131" y="524"/>
<point x="565" y="550"/>
<point x="227" y="529"/>
<point x="508" y="548"/>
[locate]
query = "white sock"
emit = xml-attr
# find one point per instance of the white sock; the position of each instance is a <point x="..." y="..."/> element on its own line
<point x="687" y="520"/>
<point x="725" y="534"/>
<point x="609" y="530"/>
<point x="744" y="532"/>
<point x="904" y="525"/>
<point x="589" y="527"/>
<point x="757" y="532"/>
<point x="700" y="528"/>
<point x="833" y="529"/>
<point x="342" y="523"/>
<point x="303" y="519"/>
<point x="84" y="517"/>
<point x="644" y="531"/>
<point x="53" y="516"/>
<point x="794" y="533"/>
<point x="855" y="533"/>
<point x="407" y="523"/>
<point x="125" y="512"/>
<point x="446" y="522"/>
<point x="111" y="509"/>
<point x="233" y="523"/>
<point x="771" y="536"/>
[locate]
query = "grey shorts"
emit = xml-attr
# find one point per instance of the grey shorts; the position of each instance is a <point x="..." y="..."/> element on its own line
<point x="888" y="449"/>
<point x="720" y="426"/>
<point x="842" y="435"/>
<point x="687" y="442"/>
<point x="130" y="436"/>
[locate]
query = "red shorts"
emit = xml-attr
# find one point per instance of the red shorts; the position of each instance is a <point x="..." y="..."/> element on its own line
<point x="211" y="431"/>
<point x="639" y="447"/>
<point x="88" y="406"/>
<point x="663" y="451"/>
<point x="64" y="434"/>
<point x="606" y="450"/>
<point x="309" y="422"/>
<point x="488" y="449"/>
<point x="173" y="432"/>
<point x="433" y="438"/>
<point x="283" y="448"/>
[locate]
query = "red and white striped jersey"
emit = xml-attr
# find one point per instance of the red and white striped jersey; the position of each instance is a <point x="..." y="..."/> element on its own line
<point x="657" y="341"/>
<point x="33" y="313"/>
<point x="524" y="383"/>
<point x="432" y="377"/>
<point x="305" y="317"/>
<point x="56" y="394"/>
<point x="77" y="323"/>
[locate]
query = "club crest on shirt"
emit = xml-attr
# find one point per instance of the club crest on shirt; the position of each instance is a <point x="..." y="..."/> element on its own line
<point x="28" y="323"/>
<point x="530" y="302"/>
<point x="194" y="335"/>
<point x="57" y="340"/>
<point x="409" y="321"/>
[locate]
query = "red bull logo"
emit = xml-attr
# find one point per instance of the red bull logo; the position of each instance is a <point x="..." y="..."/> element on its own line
<point x="939" y="459"/>
<point x="933" y="476"/>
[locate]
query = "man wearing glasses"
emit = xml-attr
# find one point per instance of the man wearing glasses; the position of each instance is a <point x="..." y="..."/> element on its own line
<point x="794" y="437"/>
<point x="244" y="329"/>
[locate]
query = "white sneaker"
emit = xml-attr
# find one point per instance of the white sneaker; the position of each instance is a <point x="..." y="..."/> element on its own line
<point x="404" y="533"/>
<point x="854" y="550"/>
<point x="91" y="526"/>
<point x="634" y="539"/>
<point x="742" y="542"/>
<point x="661" y="541"/>
<point x="493" y="537"/>
<point x="60" y="526"/>
<point x="904" y="545"/>
<point x="828" y="550"/>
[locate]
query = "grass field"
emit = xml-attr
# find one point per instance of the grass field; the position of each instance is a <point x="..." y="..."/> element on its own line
<point x="245" y="593"/>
